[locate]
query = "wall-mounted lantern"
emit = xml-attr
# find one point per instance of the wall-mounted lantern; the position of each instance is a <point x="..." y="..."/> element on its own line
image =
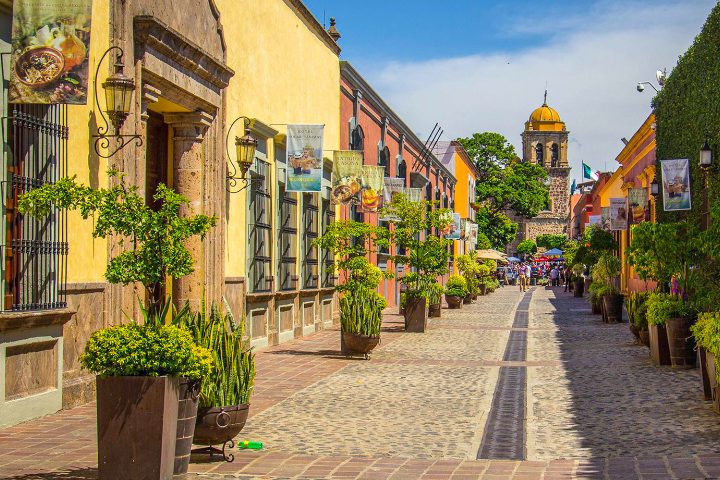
<point x="245" y="147"/>
<point x="706" y="156"/>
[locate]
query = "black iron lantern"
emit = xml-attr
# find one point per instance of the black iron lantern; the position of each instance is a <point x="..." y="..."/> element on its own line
<point x="654" y="187"/>
<point x="706" y="156"/>
<point x="245" y="147"/>
<point x="119" y="91"/>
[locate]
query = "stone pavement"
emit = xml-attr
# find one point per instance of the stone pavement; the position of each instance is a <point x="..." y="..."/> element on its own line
<point x="521" y="387"/>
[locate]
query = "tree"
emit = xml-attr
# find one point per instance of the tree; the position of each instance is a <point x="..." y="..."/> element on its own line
<point x="527" y="247"/>
<point x="156" y="237"/>
<point x="550" y="241"/>
<point x="497" y="227"/>
<point x="505" y="185"/>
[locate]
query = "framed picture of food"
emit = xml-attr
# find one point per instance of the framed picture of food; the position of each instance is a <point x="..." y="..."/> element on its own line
<point x="50" y="44"/>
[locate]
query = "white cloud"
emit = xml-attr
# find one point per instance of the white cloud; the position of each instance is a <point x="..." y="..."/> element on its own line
<point x="591" y="65"/>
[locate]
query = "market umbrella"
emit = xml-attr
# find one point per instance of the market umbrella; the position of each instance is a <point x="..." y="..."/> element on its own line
<point x="491" y="255"/>
<point x="513" y="259"/>
<point x="542" y="259"/>
<point x="553" y="252"/>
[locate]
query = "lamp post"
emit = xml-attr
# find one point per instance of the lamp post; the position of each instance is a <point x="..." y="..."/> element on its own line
<point x="706" y="158"/>
<point x="119" y="91"/>
<point x="245" y="147"/>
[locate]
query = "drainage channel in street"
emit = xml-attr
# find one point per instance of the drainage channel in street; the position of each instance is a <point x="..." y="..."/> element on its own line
<point x="504" y="437"/>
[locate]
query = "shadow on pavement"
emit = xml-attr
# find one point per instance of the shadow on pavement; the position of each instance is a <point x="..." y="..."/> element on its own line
<point x="70" y="474"/>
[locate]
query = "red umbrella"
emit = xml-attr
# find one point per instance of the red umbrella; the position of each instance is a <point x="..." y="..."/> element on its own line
<point x="542" y="259"/>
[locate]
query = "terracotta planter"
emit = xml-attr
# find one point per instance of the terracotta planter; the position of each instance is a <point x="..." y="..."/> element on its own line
<point x="467" y="299"/>
<point x="137" y="420"/>
<point x="434" y="311"/>
<point x="659" y="349"/>
<point x="578" y="288"/>
<point x="453" y="301"/>
<point x="416" y="314"/>
<point x="681" y="342"/>
<point x="613" y="307"/>
<point x="705" y="379"/>
<point x="645" y="337"/>
<point x="218" y="426"/>
<point x="188" y="396"/>
<point x="353" y="343"/>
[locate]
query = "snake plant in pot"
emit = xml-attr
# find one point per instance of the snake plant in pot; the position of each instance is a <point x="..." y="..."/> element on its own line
<point x="225" y="395"/>
<point x="606" y="272"/>
<point x="361" y="306"/>
<point x="434" y="298"/>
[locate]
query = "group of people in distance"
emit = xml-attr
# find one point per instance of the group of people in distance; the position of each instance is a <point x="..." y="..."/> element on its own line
<point x="555" y="272"/>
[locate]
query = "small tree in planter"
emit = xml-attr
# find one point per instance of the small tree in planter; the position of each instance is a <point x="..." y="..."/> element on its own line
<point x="605" y="274"/>
<point x="360" y="305"/>
<point x="434" y="299"/>
<point x="425" y="253"/>
<point x="707" y="336"/>
<point x="471" y="270"/>
<point x="455" y="290"/>
<point x="156" y="238"/>
<point x="662" y="309"/>
<point x="636" y="306"/>
<point x="578" y="280"/>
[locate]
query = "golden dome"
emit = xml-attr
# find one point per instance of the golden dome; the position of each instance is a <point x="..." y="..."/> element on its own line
<point x="544" y="114"/>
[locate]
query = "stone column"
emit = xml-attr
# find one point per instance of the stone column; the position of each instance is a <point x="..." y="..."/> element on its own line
<point x="188" y="160"/>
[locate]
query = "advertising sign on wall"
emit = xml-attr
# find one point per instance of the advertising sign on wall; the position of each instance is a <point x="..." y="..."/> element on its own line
<point x="605" y="218"/>
<point x="371" y="190"/>
<point x="472" y="239"/>
<point x="392" y="187"/>
<point x="50" y="43"/>
<point x="304" y="158"/>
<point x="637" y="204"/>
<point x="594" y="220"/>
<point x="676" y="184"/>
<point x="453" y="229"/>
<point x="618" y="214"/>
<point x="346" y="178"/>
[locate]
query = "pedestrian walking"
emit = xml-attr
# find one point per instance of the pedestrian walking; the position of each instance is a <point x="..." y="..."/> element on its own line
<point x="528" y="274"/>
<point x="554" y="277"/>
<point x="522" y="281"/>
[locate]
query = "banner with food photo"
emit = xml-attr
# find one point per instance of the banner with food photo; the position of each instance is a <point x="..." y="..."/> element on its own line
<point x="463" y="228"/>
<point x="392" y="186"/>
<point x="347" y="172"/>
<point x="637" y="203"/>
<point x="605" y="218"/>
<point x="50" y="42"/>
<point x="372" y="188"/>
<point x="304" y="170"/>
<point x="618" y="214"/>
<point x="676" y="184"/>
<point x="452" y="232"/>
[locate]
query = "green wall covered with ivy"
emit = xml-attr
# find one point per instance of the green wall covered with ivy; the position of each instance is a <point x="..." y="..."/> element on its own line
<point x="688" y="113"/>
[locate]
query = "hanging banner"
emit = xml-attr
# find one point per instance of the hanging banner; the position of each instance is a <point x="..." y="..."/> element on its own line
<point x="676" y="184"/>
<point x="304" y="158"/>
<point x="414" y="194"/>
<point x="453" y="230"/>
<point x="346" y="180"/>
<point x="463" y="228"/>
<point x="637" y="204"/>
<point x="618" y="214"/>
<point x="373" y="181"/>
<point x="594" y="220"/>
<point x="392" y="187"/>
<point x="472" y="239"/>
<point x="50" y="42"/>
<point x="605" y="218"/>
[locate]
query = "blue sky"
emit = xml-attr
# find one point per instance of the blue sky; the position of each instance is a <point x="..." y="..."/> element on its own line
<point x="477" y="65"/>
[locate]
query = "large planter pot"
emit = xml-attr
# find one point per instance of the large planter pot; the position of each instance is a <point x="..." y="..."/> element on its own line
<point x="659" y="349"/>
<point x="596" y="307"/>
<point x="635" y="331"/>
<point x="613" y="307"/>
<point x="188" y="396"/>
<point x="483" y="289"/>
<point x="578" y="288"/>
<point x="453" y="301"/>
<point x="705" y="379"/>
<point x="467" y="299"/>
<point x="681" y="342"/>
<point x="712" y="378"/>
<point x="354" y="343"/>
<point x="645" y="337"/>
<point x="218" y="426"/>
<point x="137" y="421"/>
<point x="416" y="314"/>
<point x="434" y="311"/>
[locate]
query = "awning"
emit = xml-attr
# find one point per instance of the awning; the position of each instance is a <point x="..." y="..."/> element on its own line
<point x="491" y="255"/>
<point x="554" y="252"/>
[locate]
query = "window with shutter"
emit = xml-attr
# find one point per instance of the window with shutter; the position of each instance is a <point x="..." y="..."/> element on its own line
<point x="260" y="276"/>
<point x="310" y="233"/>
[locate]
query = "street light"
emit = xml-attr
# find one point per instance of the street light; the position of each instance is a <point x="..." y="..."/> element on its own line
<point x="706" y="156"/>
<point x="705" y="165"/>
<point x="654" y="188"/>
<point x="244" y="156"/>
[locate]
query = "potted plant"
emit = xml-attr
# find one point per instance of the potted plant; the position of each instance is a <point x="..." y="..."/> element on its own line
<point x="403" y="302"/>
<point x="361" y="306"/>
<point x="636" y="306"/>
<point x="707" y="336"/>
<point x="157" y="252"/>
<point x="455" y="291"/>
<point x="138" y="372"/>
<point x="670" y="317"/>
<point x="225" y="395"/>
<point x="596" y="290"/>
<point x="425" y="255"/>
<point x="606" y="272"/>
<point x="434" y="296"/>
<point x="578" y="280"/>
<point x="474" y="273"/>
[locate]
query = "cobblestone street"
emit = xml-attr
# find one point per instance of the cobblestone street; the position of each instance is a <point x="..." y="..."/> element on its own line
<point x="522" y="386"/>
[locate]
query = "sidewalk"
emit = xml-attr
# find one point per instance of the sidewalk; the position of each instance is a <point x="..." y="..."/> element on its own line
<point x="532" y="385"/>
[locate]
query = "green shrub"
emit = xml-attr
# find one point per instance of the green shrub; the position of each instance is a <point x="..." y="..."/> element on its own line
<point x="707" y="335"/>
<point x="233" y="377"/>
<point x="663" y="306"/>
<point x="456" y="286"/>
<point x="636" y="305"/>
<point x="152" y="351"/>
<point x="597" y="290"/>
